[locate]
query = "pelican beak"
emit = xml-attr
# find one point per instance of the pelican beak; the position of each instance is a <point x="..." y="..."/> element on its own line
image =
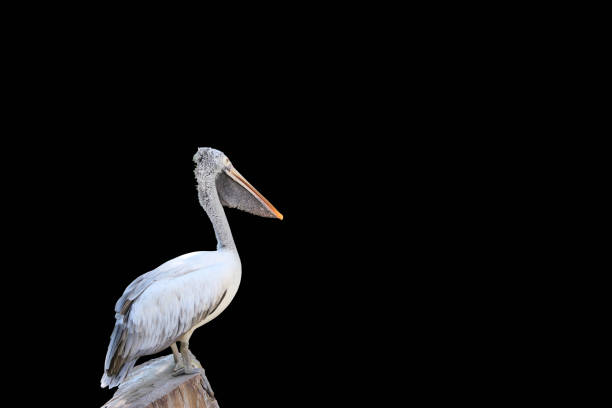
<point x="237" y="177"/>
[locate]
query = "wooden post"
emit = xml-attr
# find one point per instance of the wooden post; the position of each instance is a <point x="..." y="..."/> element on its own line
<point x="151" y="385"/>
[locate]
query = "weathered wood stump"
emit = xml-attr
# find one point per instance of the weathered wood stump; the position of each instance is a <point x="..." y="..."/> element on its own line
<point x="151" y="385"/>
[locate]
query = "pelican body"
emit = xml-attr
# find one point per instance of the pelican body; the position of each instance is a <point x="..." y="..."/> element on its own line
<point x="165" y="306"/>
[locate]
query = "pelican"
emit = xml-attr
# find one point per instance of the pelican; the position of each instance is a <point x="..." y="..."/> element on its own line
<point x="165" y="306"/>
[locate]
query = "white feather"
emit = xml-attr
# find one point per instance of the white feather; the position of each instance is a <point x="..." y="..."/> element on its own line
<point x="169" y="301"/>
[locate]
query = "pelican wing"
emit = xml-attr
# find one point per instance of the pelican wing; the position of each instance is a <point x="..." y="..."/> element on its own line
<point x="174" y="267"/>
<point x="162" y="305"/>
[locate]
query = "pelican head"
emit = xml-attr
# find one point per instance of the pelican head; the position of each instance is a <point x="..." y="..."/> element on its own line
<point x="213" y="168"/>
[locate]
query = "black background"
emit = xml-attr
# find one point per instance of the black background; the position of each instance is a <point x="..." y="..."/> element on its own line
<point x="384" y="145"/>
<point x="359" y="294"/>
<point x="114" y="208"/>
<point x="332" y="298"/>
<point x="104" y="191"/>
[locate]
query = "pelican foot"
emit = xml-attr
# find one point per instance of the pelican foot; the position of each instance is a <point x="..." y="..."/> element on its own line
<point x="179" y="366"/>
<point x="185" y="371"/>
